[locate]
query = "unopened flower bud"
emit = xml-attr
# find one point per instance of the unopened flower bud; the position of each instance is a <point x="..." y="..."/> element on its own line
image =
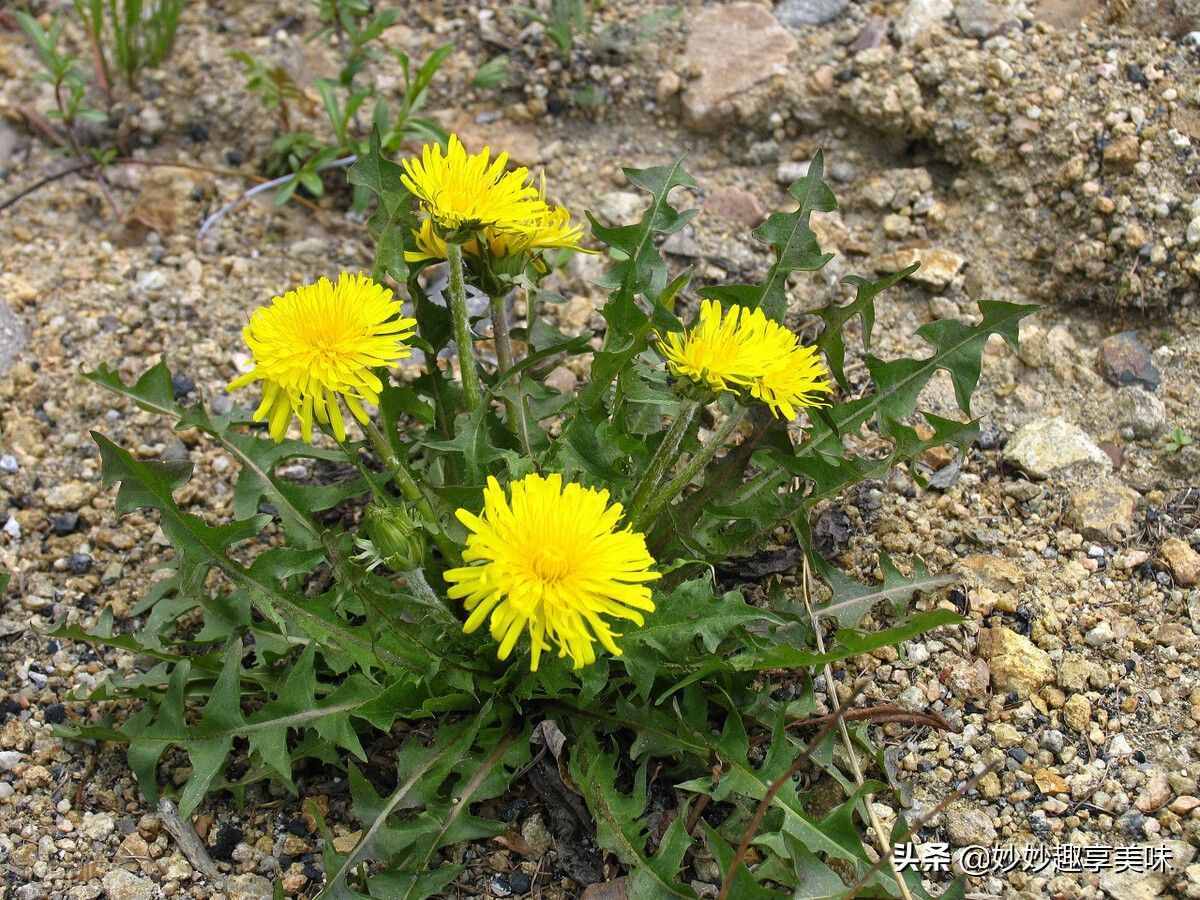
<point x="396" y="536"/>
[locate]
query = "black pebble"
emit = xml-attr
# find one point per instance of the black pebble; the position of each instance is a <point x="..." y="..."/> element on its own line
<point x="297" y="827"/>
<point x="197" y="133"/>
<point x="234" y="157"/>
<point x="55" y="713"/>
<point x="516" y="809"/>
<point x="1135" y="74"/>
<point x="79" y="563"/>
<point x="65" y="524"/>
<point x="519" y="882"/>
<point x="227" y="839"/>
<point x="312" y="873"/>
<point x="181" y="385"/>
<point x="1018" y="754"/>
<point x="8" y="707"/>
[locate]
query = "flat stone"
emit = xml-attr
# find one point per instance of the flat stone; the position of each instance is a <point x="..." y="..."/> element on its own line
<point x="921" y="15"/>
<point x="996" y="573"/>
<point x="938" y="266"/>
<point x="1140" y="411"/>
<point x="1050" y="782"/>
<point x="733" y="48"/>
<point x="1104" y="512"/>
<point x="98" y="825"/>
<point x="1016" y="663"/>
<point x="968" y="679"/>
<point x="70" y="495"/>
<point x="1124" y="359"/>
<point x="1155" y="795"/>
<point x="249" y="887"/>
<point x="734" y="205"/>
<point x="786" y="173"/>
<point x="1122" y="154"/>
<point x="1099" y="635"/>
<point x="1067" y="15"/>
<point x="796" y="13"/>
<point x="1077" y="713"/>
<point x="969" y="825"/>
<point x="620" y="207"/>
<point x="1183" y="560"/>
<point x="983" y="18"/>
<point x="121" y="885"/>
<point x="13" y="337"/>
<point x="1047" y="446"/>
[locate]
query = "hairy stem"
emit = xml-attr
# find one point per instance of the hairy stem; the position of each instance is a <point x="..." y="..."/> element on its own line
<point x="669" y="491"/>
<point x="420" y="585"/>
<point x="664" y="458"/>
<point x="457" y="300"/>
<point x="518" y="419"/>
<point x="403" y="478"/>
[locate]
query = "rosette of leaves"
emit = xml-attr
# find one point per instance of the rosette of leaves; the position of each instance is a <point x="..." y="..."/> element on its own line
<point x="270" y="651"/>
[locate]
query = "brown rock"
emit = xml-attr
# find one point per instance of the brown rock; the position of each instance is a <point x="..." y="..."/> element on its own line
<point x="1067" y="15"/>
<point x="1015" y="662"/>
<point x="1077" y="713"/>
<point x="1104" y="512"/>
<point x="967" y="679"/>
<point x="1183" y="560"/>
<point x="1173" y="634"/>
<point x="1050" y="782"/>
<point x="1181" y="806"/>
<point x="993" y="572"/>
<point x="733" y="48"/>
<point x="1123" y="153"/>
<point x="1124" y="360"/>
<point x="938" y="266"/>
<point x="1155" y="795"/>
<point x="734" y="205"/>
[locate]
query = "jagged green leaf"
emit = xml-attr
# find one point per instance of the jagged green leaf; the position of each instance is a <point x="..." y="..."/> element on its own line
<point x="620" y="827"/>
<point x="831" y="340"/>
<point x="422" y="770"/>
<point x="690" y="612"/>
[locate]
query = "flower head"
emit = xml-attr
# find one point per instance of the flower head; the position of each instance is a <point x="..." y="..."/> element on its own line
<point x="544" y="227"/>
<point x="551" y="563"/>
<point x="742" y="350"/>
<point x="319" y="343"/>
<point x="459" y="191"/>
<point x="552" y="229"/>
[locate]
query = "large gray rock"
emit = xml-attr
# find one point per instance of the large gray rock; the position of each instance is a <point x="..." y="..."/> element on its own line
<point x="1140" y="411"/>
<point x="732" y="49"/>
<point x="921" y="15"/>
<point x="1049" y="445"/>
<point x="984" y="18"/>
<point x="122" y="885"/>
<point x="797" y="13"/>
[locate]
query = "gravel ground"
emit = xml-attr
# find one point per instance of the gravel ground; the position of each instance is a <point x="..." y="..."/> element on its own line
<point x="1039" y="152"/>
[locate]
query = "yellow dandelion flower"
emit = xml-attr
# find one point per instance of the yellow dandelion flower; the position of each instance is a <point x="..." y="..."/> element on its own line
<point x="458" y="190"/>
<point x="319" y="343"/>
<point x="551" y="228"/>
<point x="551" y="562"/>
<point x="742" y="350"/>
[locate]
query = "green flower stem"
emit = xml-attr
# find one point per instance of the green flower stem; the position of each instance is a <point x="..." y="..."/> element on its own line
<point x="669" y="491"/>
<point x="517" y="417"/>
<point x="457" y="301"/>
<point x="404" y="480"/>
<point x="664" y="458"/>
